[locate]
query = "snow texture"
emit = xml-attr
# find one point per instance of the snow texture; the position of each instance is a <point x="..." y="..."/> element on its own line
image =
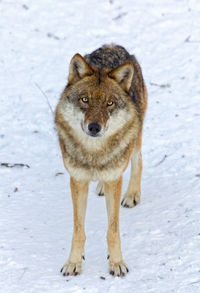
<point x="161" y="236"/>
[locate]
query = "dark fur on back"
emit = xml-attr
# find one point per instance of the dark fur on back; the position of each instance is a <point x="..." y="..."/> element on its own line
<point x="108" y="57"/>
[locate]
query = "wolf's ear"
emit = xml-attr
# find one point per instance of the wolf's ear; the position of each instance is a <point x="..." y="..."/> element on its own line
<point x="78" y="69"/>
<point x="123" y="75"/>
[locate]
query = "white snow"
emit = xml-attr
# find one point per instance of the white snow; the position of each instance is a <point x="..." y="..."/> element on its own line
<point x="161" y="236"/>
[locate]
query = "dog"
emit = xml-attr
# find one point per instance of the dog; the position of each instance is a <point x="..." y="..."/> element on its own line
<point x="99" y="121"/>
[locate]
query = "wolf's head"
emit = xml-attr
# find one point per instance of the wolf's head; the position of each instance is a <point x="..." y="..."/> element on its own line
<point x="96" y="102"/>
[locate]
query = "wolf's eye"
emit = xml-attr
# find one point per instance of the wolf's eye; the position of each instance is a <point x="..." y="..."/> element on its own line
<point x="84" y="100"/>
<point x="110" y="103"/>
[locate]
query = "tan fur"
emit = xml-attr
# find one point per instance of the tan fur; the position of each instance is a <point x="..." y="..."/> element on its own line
<point x="79" y="197"/>
<point x="133" y="193"/>
<point x="113" y="194"/>
<point x="109" y="92"/>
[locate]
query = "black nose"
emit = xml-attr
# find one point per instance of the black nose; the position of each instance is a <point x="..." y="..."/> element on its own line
<point x="94" y="128"/>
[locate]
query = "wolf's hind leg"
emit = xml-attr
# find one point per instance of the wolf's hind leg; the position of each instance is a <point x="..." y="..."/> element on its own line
<point x="133" y="193"/>
<point x="100" y="188"/>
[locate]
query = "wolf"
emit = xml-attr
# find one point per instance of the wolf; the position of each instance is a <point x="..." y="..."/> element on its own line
<point x="99" y="121"/>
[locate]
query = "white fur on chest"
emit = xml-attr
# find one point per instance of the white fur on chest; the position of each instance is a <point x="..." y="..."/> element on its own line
<point x="93" y="174"/>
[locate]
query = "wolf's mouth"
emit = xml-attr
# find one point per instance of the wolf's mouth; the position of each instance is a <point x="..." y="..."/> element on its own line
<point x="93" y="135"/>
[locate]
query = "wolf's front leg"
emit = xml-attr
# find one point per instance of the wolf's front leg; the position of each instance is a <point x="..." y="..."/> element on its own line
<point x="117" y="267"/>
<point x="79" y="192"/>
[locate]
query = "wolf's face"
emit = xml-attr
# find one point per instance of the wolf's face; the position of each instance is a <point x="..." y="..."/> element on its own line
<point x="97" y="102"/>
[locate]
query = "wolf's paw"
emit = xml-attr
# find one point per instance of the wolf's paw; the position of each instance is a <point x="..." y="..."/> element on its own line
<point x="130" y="201"/>
<point x="118" y="269"/>
<point x="100" y="189"/>
<point x="71" y="269"/>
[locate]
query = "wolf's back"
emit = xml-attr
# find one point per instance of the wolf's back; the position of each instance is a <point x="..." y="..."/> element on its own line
<point x="108" y="57"/>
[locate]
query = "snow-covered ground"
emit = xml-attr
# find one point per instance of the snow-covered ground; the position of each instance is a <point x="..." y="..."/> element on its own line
<point x="161" y="236"/>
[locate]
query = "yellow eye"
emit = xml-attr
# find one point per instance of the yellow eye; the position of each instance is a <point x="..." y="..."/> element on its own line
<point x="84" y="100"/>
<point x="110" y="103"/>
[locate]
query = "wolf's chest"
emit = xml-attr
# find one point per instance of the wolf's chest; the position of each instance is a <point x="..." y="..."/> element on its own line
<point x="103" y="166"/>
